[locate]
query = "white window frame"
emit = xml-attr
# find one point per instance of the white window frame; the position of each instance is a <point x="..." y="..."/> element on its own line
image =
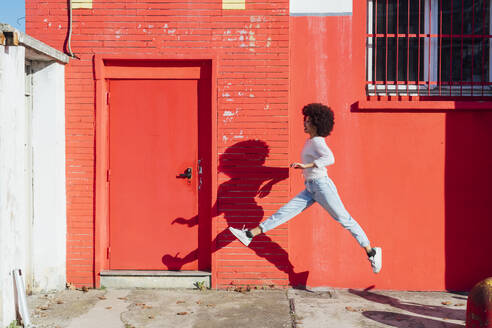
<point x="431" y="71"/>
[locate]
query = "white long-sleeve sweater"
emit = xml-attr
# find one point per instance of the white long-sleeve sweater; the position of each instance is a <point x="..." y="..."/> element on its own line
<point x="316" y="151"/>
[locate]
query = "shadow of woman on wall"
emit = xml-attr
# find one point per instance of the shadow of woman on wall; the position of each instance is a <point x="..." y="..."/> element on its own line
<point x="248" y="179"/>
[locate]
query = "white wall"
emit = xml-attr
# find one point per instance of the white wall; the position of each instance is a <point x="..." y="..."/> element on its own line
<point x="32" y="229"/>
<point x="320" y="7"/>
<point x="48" y="142"/>
<point x="13" y="197"/>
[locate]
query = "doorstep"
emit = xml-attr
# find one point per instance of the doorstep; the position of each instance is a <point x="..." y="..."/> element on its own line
<point x="154" y="279"/>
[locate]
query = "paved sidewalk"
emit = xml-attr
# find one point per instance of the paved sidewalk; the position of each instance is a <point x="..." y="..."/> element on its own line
<point x="340" y="308"/>
<point x="148" y="308"/>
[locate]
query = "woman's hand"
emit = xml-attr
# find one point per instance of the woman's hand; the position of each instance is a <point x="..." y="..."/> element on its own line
<point x="302" y="166"/>
<point x="298" y="166"/>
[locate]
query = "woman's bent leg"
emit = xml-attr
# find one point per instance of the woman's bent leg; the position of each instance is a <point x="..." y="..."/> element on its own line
<point x="327" y="196"/>
<point x="295" y="206"/>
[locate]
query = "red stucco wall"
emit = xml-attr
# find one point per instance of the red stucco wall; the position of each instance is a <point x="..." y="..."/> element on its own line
<point x="417" y="181"/>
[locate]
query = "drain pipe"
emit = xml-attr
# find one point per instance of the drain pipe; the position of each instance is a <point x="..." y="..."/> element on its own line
<point x="21" y="299"/>
<point x="69" y="45"/>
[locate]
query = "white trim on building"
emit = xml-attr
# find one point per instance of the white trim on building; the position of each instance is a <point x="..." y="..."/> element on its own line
<point x="320" y="7"/>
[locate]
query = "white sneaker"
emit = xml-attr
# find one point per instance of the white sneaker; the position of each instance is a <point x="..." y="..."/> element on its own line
<point x="376" y="260"/>
<point x="241" y="235"/>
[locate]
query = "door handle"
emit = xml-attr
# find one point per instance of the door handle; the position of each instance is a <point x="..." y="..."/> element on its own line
<point x="185" y="175"/>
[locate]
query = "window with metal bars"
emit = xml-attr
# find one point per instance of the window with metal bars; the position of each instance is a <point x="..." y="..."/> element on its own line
<point x="437" y="48"/>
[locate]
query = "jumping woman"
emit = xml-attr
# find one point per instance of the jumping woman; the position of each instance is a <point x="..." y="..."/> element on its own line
<point x="315" y="156"/>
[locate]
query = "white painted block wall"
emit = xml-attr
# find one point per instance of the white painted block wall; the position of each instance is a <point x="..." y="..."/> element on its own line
<point x="35" y="243"/>
<point x="13" y="200"/>
<point x="48" y="142"/>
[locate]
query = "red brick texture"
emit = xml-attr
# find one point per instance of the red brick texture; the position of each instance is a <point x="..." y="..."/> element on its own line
<point x="252" y="47"/>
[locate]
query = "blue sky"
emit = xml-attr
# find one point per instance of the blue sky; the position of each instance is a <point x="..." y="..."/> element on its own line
<point x="12" y="12"/>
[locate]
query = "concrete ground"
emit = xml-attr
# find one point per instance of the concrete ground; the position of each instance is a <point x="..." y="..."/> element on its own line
<point x="340" y="308"/>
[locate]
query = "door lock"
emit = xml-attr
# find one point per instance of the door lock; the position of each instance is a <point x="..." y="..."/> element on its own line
<point x="186" y="174"/>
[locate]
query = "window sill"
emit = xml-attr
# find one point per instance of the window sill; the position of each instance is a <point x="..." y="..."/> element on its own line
<point x="419" y="105"/>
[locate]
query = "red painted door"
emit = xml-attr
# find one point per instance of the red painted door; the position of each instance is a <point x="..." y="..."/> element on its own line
<point x="153" y="129"/>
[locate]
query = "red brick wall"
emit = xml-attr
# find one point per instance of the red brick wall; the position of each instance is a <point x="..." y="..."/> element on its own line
<point x="252" y="89"/>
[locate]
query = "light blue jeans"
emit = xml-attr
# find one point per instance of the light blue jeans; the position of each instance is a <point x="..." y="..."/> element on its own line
<point x="323" y="191"/>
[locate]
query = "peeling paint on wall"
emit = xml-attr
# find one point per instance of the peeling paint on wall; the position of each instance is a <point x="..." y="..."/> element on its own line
<point x="240" y="136"/>
<point x="229" y="115"/>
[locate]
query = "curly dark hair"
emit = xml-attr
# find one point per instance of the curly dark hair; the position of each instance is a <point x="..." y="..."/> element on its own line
<point x="322" y="118"/>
